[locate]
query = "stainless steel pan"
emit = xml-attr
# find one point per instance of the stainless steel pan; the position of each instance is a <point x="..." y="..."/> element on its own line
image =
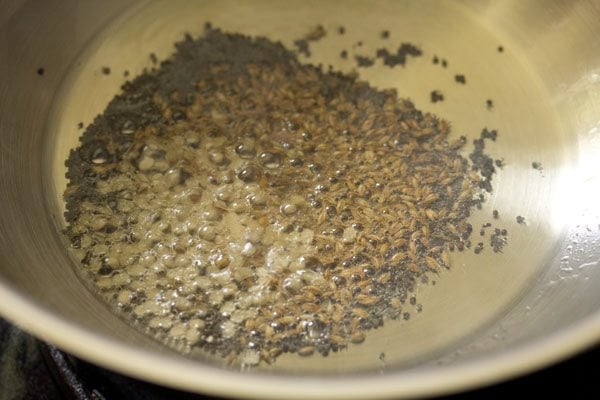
<point x="489" y="318"/>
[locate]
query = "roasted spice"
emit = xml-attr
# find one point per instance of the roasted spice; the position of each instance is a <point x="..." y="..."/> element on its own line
<point x="400" y="56"/>
<point x="436" y="96"/>
<point x="498" y="239"/>
<point x="238" y="201"/>
<point x="460" y="79"/>
<point x="483" y="163"/>
<point x="303" y="44"/>
<point x="363" y="61"/>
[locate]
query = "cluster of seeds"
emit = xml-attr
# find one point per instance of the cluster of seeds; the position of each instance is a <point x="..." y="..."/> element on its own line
<point x="238" y="201"/>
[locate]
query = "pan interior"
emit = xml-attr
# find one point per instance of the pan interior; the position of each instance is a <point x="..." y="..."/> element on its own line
<point x="479" y="289"/>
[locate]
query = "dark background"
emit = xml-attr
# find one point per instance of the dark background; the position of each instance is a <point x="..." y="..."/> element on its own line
<point x="30" y="369"/>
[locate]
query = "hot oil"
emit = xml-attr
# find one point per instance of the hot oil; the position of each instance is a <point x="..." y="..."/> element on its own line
<point x="477" y="288"/>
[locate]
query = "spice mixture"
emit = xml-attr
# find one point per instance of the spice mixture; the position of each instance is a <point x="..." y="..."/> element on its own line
<point x="238" y="201"/>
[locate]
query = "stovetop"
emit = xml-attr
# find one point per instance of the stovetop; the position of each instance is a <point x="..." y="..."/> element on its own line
<point x="32" y="369"/>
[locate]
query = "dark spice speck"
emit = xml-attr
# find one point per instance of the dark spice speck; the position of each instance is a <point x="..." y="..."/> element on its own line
<point x="40" y="71"/>
<point x="106" y="70"/>
<point x="316" y="34"/>
<point x="385" y="34"/>
<point x="364" y="62"/>
<point x="483" y="163"/>
<point x="344" y="54"/>
<point x="460" y="79"/>
<point x="302" y="46"/>
<point x="400" y="56"/>
<point x="520" y="219"/>
<point x="436" y="96"/>
<point x="498" y="240"/>
<point x="478" y="248"/>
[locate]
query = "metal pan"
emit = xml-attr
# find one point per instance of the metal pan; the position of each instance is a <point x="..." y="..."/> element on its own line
<point x="491" y="317"/>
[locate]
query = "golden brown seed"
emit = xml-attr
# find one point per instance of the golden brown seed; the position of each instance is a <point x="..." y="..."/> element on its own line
<point x="367" y="300"/>
<point x="360" y="312"/>
<point x="445" y="258"/>
<point x="286" y="320"/>
<point x="357" y="337"/>
<point x="384" y="278"/>
<point x="275" y="352"/>
<point x="337" y="339"/>
<point x="433" y="264"/>
<point x="306" y="351"/>
<point x="396" y="303"/>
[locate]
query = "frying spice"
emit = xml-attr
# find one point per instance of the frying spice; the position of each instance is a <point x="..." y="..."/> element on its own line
<point x="363" y="61"/>
<point x="399" y="57"/>
<point x="460" y="79"/>
<point x="436" y="96"/>
<point x="303" y="44"/>
<point x="238" y="201"/>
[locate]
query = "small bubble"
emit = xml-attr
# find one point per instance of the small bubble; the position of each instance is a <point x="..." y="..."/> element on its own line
<point x="296" y="162"/>
<point x="288" y="209"/>
<point x="249" y="173"/>
<point x="270" y="160"/>
<point x="245" y="149"/>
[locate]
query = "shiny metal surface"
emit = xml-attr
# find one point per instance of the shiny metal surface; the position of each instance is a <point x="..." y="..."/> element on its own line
<point x="488" y="318"/>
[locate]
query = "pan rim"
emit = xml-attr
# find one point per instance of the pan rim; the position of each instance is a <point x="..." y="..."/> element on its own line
<point x="201" y="378"/>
